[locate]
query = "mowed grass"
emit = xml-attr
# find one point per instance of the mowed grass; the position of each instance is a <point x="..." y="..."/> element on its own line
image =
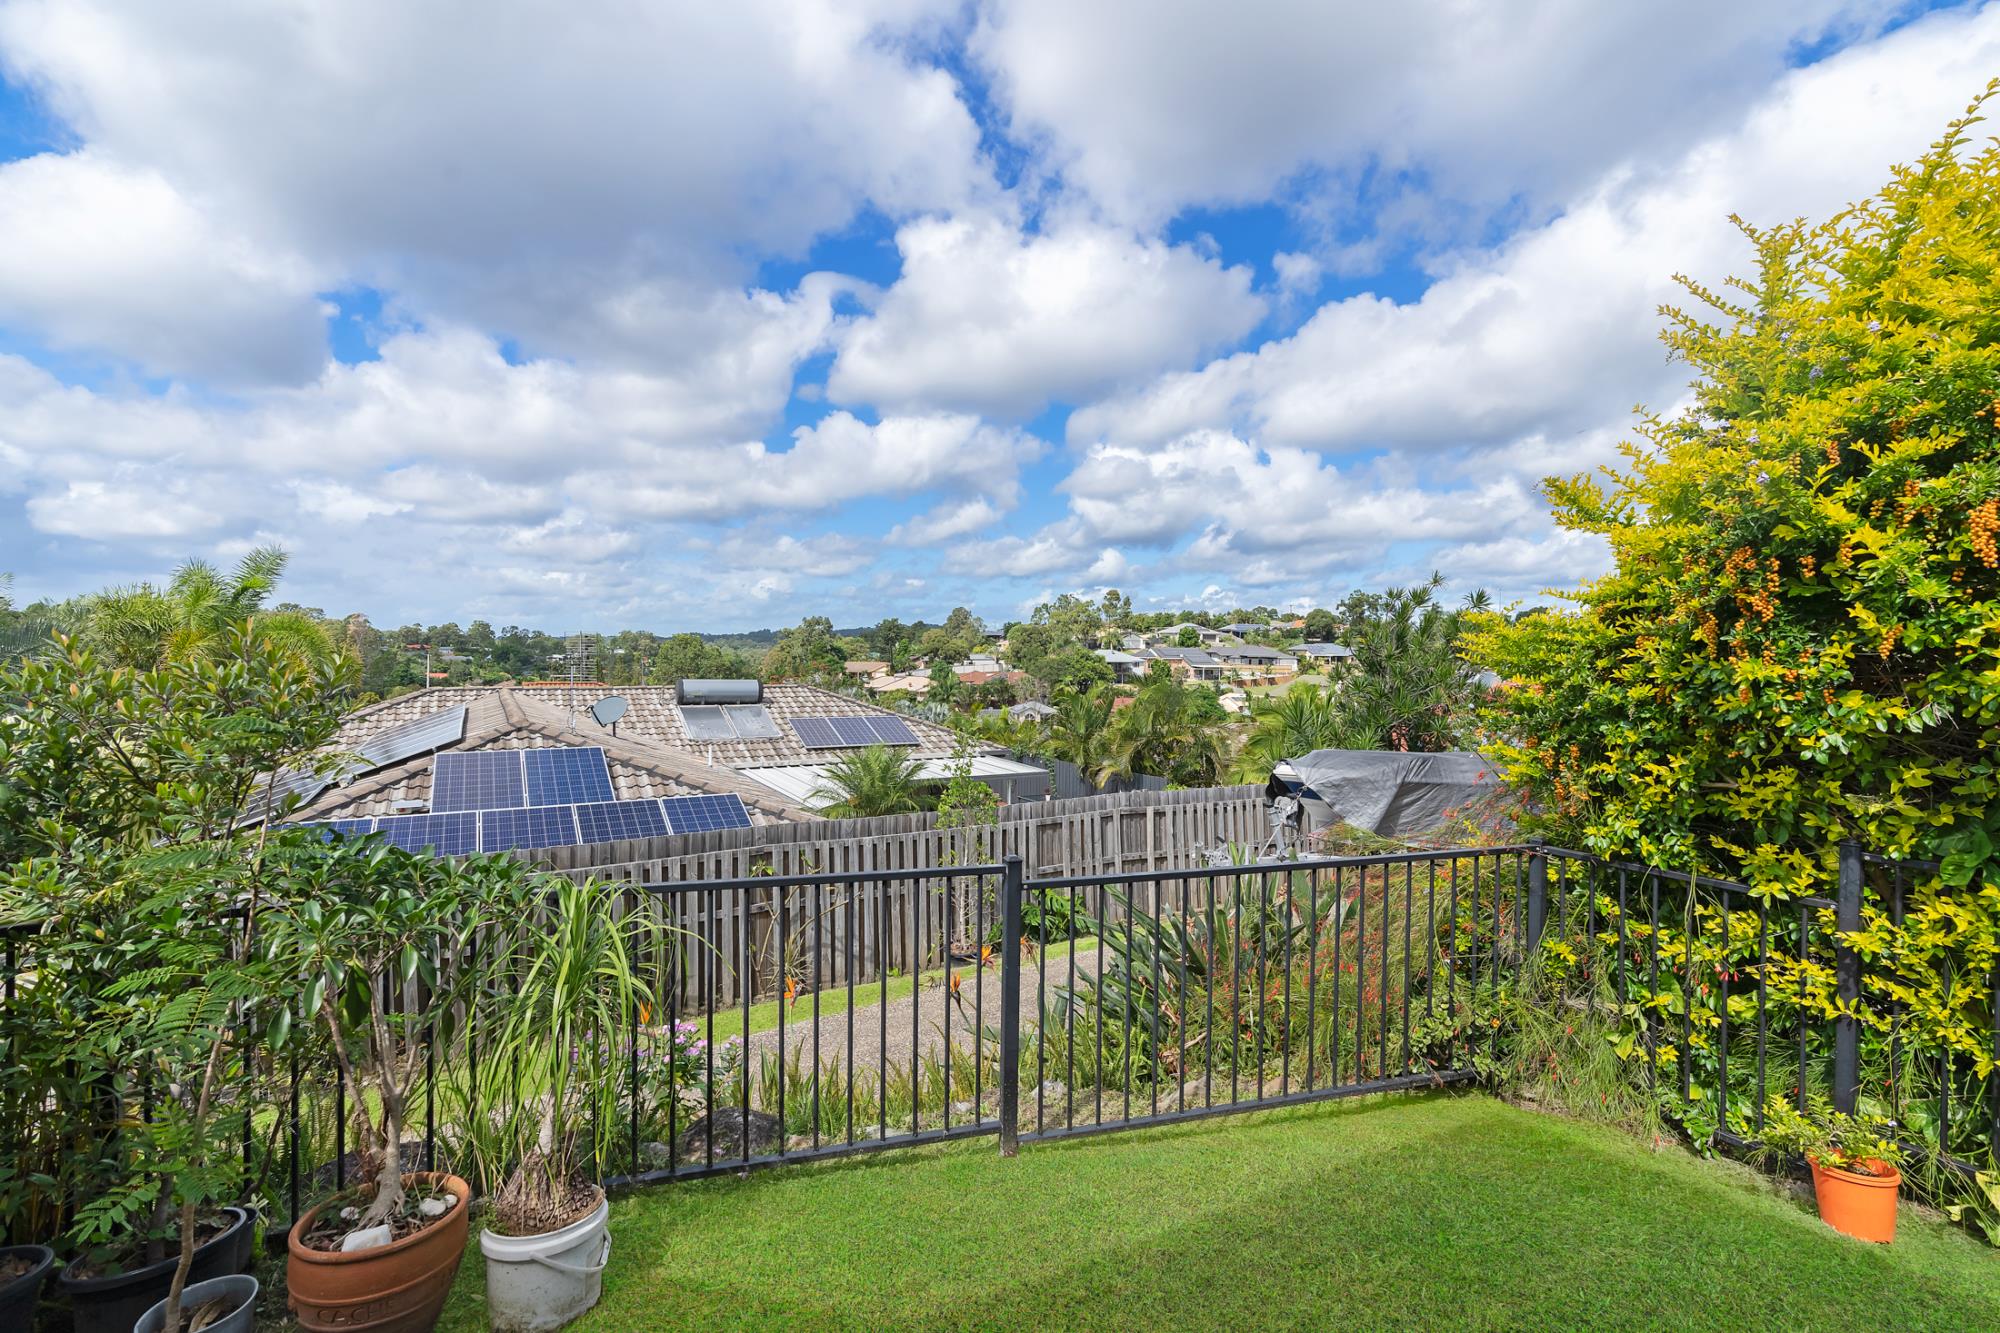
<point x="833" y="999"/>
<point x="1418" y="1212"/>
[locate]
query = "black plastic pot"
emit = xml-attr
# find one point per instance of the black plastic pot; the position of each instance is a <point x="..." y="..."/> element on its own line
<point x="17" y="1298"/>
<point x="113" y="1304"/>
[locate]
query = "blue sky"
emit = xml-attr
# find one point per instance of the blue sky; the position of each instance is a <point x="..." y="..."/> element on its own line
<point x="609" y="318"/>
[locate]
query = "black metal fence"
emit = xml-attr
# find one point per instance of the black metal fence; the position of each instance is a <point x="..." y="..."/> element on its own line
<point x="1735" y="996"/>
<point x="815" y="1016"/>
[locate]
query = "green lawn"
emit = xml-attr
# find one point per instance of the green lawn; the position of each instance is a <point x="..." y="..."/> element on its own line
<point x="1446" y="1212"/>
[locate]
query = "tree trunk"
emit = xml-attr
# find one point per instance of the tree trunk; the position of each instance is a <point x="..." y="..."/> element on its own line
<point x="389" y="1180"/>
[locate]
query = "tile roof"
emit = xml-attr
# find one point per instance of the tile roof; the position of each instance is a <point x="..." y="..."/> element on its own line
<point x="651" y="755"/>
<point x="507" y="719"/>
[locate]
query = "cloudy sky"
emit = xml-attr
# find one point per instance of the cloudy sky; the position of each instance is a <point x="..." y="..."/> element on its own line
<point x="597" y="315"/>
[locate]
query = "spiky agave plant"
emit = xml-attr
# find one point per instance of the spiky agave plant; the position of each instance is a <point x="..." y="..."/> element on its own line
<point x="1172" y="979"/>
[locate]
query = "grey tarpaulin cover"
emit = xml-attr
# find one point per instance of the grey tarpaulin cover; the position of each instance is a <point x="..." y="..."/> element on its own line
<point x="1390" y="792"/>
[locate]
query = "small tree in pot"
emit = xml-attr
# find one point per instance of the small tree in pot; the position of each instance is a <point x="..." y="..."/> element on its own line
<point x="363" y="931"/>
<point x="566" y="989"/>
<point x="127" y="819"/>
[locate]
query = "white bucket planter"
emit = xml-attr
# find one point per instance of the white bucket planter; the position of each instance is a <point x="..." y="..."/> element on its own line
<point x="535" y="1283"/>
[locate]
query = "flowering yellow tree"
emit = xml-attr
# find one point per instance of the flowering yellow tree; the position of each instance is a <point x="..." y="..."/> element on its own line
<point x="1800" y="641"/>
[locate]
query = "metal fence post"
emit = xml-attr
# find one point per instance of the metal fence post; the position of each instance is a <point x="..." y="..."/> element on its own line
<point x="1009" y="1072"/>
<point x="1538" y="892"/>
<point x="1847" y="981"/>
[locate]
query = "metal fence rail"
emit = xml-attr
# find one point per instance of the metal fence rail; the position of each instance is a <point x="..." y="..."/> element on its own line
<point x="808" y="1016"/>
<point x="1166" y="997"/>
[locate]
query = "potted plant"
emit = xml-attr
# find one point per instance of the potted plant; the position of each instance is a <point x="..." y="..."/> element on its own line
<point x="135" y="863"/>
<point x="361" y="931"/>
<point x="23" y="1268"/>
<point x="565" y="990"/>
<point x="1853" y="1161"/>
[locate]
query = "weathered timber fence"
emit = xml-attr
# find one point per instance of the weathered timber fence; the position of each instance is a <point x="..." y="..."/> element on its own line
<point x="1108" y="834"/>
<point x="919" y="906"/>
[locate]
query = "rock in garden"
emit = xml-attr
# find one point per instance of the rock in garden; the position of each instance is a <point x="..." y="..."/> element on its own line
<point x="433" y="1207"/>
<point x="366" y="1239"/>
<point x="726" y="1128"/>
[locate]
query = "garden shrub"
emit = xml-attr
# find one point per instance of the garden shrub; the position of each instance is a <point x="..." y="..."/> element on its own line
<point x="1800" y="640"/>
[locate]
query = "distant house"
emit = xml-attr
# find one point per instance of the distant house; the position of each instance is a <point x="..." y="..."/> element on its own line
<point x="1254" y="664"/>
<point x="1170" y="636"/>
<point x="1322" y="654"/>
<point x="1245" y="629"/>
<point x="909" y="683"/>
<point x="865" y="669"/>
<point x="1028" y="711"/>
<point x="981" y="677"/>
<point x="1124" y="666"/>
<point x="1187" y="663"/>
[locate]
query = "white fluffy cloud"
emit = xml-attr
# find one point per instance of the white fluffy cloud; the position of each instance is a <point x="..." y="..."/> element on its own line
<point x="494" y="158"/>
<point x="987" y="319"/>
<point x="586" y="232"/>
<point x="1150" y="106"/>
<point x="99" y="257"/>
<point x="1555" y="331"/>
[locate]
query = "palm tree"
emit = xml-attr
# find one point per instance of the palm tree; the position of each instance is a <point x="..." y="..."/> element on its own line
<point x="142" y="626"/>
<point x="1406" y="687"/>
<point x="1081" y="731"/>
<point x="1167" y="732"/>
<point x="874" y="781"/>
<point x="1305" y="718"/>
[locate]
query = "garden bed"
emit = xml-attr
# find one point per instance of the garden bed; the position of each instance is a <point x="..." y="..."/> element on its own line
<point x="1404" y="1212"/>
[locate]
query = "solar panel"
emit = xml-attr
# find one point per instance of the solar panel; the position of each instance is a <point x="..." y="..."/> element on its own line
<point x="342" y="828"/>
<point x="611" y="821"/>
<point x="539" y="826"/>
<point x="294" y="782"/>
<point x="816" y="733"/>
<point x="477" y="780"/>
<point x="701" y="814"/>
<point x="413" y="738"/>
<point x="753" y="722"/>
<point x="453" y="834"/>
<point x="891" y="730"/>
<point x="706" y="722"/>
<point x="568" y="776"/>
<point x="854" y="730"/>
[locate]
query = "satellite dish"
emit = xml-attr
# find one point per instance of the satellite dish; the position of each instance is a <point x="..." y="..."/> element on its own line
<point x="608" y="710"/>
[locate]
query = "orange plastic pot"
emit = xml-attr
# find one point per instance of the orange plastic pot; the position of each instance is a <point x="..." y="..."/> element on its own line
<point x="1861" y="1206"/>
<point x="396" y="1288"/>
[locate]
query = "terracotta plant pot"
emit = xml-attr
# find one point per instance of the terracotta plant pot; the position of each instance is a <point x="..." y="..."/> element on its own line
<point x="395" y="1288"/>
<point x="1859" y="1205"/>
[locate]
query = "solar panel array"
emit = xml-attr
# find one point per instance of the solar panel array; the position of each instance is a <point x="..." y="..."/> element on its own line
<point x="567" y="776"/>
<point x="536" y="826"/>
<point x="614" y="821"/>
<point x="479" y="780"/>
<point x="430" y="732"/>
<point x="462" y="832"/>
<point x="452" y="834"/>
<point x="829" y="733"/>
<point x="729" y="722"/>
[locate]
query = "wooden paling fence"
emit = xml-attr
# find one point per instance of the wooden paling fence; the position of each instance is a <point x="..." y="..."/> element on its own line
<point x="907" y="916"/>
